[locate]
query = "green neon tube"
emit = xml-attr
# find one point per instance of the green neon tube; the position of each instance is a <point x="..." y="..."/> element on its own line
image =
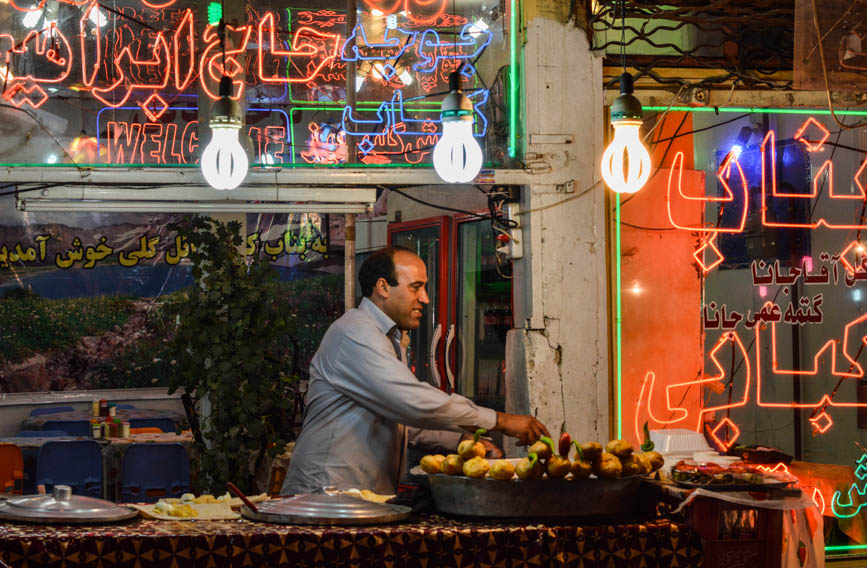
<point x="618" y="318"/>
<point x="513" y="81"/>
<point x="758" y="110"/>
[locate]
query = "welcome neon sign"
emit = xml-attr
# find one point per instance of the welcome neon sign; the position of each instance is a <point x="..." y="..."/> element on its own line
<point x="174" y="54"/>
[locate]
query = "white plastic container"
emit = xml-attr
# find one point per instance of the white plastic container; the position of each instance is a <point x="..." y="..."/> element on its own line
<point x="679" y="441"/>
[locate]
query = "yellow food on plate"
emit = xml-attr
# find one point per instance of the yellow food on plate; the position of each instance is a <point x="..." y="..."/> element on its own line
<point x="368" y="495"/>
<point x="608" y="466"/>
<point x="174" y="510"/>
<point x="432" y="464"/>
<point x="501" y="469"/>
<point x="620" y="448"/>
<point x="454" y="464"/>
<point x="476" y="467"/>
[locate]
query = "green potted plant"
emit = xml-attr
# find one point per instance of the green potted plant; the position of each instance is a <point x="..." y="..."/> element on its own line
<point x="232" y="348"/>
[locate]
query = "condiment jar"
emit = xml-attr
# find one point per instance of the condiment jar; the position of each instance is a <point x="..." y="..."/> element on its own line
<point x="112" y="409"/>
<point x="103" y="407"/>
<point x="94" y="407"/>
<point x="95" y="429"/>
<point x="124" y="430"/>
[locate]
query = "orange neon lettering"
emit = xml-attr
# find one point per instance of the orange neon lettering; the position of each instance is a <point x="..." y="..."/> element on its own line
<point x="723" y="174"/>
<point x="123" y="141"/>
<point x="211" y="61"/>
<point x="305" y="46"/>
<point x="153" y="134"/>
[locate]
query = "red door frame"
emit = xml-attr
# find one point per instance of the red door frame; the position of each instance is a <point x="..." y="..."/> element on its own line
<point x="444" y="223"/>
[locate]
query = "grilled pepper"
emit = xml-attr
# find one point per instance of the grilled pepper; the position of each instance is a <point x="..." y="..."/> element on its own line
<point x="543" y="448"/>
<point x="581" y="468"/>
<point x="557" y="466"/>
<point x="469" y="449"/>
<point x="530" y="467"/>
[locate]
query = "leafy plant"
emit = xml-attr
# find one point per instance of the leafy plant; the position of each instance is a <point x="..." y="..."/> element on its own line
<point x="231" y="347"/>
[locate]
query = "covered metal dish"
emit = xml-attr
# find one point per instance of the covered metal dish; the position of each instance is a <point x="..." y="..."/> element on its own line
<point x="328" y="508"/>
<point x="63" y="507"/>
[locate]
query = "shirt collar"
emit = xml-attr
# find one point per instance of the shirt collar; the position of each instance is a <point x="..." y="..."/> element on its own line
<point x="383" y="322"/>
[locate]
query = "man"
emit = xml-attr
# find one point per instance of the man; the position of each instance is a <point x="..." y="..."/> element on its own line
<point x="361" y="396"/>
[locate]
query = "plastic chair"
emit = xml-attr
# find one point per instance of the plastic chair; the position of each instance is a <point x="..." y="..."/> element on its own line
<point x="153" y="471"/>
<point x="164" y="424"/>
<point x="71" y="427"/>
<point x="146" y="430"/>
<point x="77" y="463"/>
<point x="50" y="410"/>
<point x="11" y="469"/>
<point x="125" y="407"/>
<point x="41" y="434"/>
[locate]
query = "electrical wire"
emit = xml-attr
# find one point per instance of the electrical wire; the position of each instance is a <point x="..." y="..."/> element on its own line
<point x="434" y="205"/>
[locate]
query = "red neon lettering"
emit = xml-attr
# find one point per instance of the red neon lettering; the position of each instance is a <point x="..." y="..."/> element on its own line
<point x="723" y="174"/>
<point x="122" y="87"/>
<point x="308" y="45"/>
<point x="184" y="41"/>
<point x="274" y="145"/>
<point x="211" y="61"/>
<point x="123" y="141"/>
<point x="152" y="145"/>
<point x="769" y="155"/>
<point x="190" y="140"/>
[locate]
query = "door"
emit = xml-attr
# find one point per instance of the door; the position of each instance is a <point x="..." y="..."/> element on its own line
<point x="429" y="239"/>
<point x="476" y="338"/>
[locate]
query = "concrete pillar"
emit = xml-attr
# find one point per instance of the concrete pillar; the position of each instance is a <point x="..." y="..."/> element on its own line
<point x="557" y="357"/>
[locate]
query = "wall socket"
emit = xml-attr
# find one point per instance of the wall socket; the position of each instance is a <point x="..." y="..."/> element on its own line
<point x="514" y="249"/>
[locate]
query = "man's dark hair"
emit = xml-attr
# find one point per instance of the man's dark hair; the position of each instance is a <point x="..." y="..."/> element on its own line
<point x="379" y="265"/>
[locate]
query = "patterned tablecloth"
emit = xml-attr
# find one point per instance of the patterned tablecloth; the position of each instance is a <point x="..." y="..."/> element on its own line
<point x="424" y="541"/>
<point x="36" y="422"/>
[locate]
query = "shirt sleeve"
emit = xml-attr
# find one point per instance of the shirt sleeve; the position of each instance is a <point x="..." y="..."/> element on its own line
<point x="365" y="369"/>
<point x="434" y="439"/>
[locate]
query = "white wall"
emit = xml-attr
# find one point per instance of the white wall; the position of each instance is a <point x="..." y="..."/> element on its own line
<point x="557" y="357"/>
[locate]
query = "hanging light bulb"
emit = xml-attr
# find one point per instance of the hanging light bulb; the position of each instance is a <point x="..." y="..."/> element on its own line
<point x="457" y="157"/>
<point x="224" y="162"/>
<point x="626" y="146"/>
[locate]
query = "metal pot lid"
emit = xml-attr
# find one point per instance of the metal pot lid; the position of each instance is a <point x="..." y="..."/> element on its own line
<point x="330" y="507"/>
<point x="63" y="507"/>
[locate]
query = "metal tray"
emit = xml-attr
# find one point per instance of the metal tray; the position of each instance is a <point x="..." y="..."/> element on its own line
<point x="769" y="486"/>
<point x="325" y="509"/>
<point x="588" y="497"/>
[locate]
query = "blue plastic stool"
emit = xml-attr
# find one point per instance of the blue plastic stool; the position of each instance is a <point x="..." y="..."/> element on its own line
<point x="151" y="472"/>
<point x="77" y="463"/>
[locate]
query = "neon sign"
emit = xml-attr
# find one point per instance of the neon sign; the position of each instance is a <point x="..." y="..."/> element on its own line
<point x="172" y="53"/>
<point x="758" y="375"/>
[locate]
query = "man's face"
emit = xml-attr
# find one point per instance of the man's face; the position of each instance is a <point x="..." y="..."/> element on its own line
<point x="406" y="301"/>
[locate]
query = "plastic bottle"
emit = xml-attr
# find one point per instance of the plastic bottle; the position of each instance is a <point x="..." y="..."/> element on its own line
<point x="103" y="407"/>
<point x="94" y="407"/>
<point x="124" y="430"/>
<point x="95" y="428"/>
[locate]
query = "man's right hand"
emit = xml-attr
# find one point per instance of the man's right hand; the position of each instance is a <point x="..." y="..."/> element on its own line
<point x="526" y="428"/>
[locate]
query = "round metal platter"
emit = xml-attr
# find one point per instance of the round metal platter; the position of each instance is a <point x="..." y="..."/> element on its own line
<point x="63" y="508"/>
<point x="326" y="509"/>
<point x="460" y="495"/>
